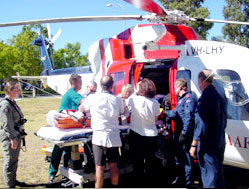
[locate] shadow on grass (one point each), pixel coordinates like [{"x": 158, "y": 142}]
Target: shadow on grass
[
  {"x": 62, "y": 183},
  {"x": 58, "y": 184}
]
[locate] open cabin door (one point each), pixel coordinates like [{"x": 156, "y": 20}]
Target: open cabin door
[
  {"x": 120, "y": 72},
  {"x": 173, "y": 97},
  {"x": 136, "y": 74}
]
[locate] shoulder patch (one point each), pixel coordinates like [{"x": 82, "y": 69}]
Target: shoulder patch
[{"x": 188, "y": 95}]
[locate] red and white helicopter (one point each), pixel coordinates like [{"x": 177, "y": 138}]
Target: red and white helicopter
[{"x": 163, "y": 51}]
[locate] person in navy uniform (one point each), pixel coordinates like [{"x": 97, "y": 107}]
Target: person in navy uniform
[
  {"x": 209, "y": 134},
  {"x": 183, "y": 115}
]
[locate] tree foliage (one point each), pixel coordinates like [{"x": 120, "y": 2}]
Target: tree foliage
[
  {"x": 193, "y": 9},
  {"x": 237, "y": 10},
  {"x": 19, "y": 55},
  {"x": 70, "y": 56}
]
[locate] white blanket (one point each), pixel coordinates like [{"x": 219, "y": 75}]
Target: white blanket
[{"x": 57, "y": 134}]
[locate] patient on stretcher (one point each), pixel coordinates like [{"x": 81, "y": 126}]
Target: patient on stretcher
[{"x": 68, "y": 119}]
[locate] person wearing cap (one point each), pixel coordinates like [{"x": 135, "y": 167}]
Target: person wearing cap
[
  {"x": 184, "y": 116},
  {"x": 105, "y": 108},
  {"x": 70, "y": 101},
  {"x": 209, "y": 135}
]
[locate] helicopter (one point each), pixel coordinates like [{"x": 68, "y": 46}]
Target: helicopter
[{"x": 163, "y": 51}]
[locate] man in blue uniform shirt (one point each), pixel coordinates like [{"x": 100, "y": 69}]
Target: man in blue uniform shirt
[
  {"x": 70, "y": 101},
  {"x": 209, "y": 134},
  {"x": 183, "y": 114}
]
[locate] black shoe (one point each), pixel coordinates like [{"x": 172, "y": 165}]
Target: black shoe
[
  {"x": 21, "y": 184},
  {"x": 51, "y": 179}
]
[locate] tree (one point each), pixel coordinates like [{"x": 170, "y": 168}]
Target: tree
[
  {"x": 18, "y": 55},
  {"x": 193, "y": 9},
  {"x": 236, "y": 10},
  {"x": 217, "y": 38},
  {"x": 7, "y": 60},
  {"x": 70, "y": 56},
  {"x": 26, "y": 54}
]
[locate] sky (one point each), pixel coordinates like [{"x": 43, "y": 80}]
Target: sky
[{"x": 84, "y": 32}]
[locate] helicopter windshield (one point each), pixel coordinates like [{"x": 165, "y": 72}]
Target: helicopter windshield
[{"x": 228, "y": 83}]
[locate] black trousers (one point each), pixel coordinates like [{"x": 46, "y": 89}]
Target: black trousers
[{"x": 142, "y": 152}]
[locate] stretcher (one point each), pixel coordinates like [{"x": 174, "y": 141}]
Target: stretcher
[
  {"x": 75, "y": 137},
  {"x": 63, "y": 137}
]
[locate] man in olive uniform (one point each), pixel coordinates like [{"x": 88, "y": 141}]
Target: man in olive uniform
[
  {"x": 70, "y": 101},
  {"x": 10, "y": 116}
]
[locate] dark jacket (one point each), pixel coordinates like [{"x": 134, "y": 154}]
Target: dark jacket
[
  {"x": 184, "y": 115},
  {"x": 211, "y": 120}
]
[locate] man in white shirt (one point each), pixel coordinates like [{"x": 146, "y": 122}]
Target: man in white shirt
[{"x": 105, "y": 108}]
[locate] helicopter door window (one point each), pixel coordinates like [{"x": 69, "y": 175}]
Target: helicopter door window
[
  {"x": 128, "y": 51},
  {"x": 186, "y": 74},
  {"x": 118, "y": 81},
  {"x": 228, "y": 83}
]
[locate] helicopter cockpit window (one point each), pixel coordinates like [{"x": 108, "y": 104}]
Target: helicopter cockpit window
[
  {"x": 186, "y": 74},
  {"x": 228, "y": 83}
]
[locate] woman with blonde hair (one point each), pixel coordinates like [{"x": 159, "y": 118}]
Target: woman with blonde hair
[
  {"x": 126, "y": 91},
  {"x": 142, "y": 138},
  {"x": 11, "y": 134}
]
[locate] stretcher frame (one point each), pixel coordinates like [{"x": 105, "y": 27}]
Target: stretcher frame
[{"x": 80, "y": 176}]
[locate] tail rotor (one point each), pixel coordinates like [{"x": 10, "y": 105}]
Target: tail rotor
[{"x": 50, "y": 39}]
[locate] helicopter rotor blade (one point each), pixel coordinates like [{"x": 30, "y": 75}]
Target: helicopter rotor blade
[
  {"x": 49, "y": 31},
  {"x": 218, "y": 21},
  {"x": 148, "y": 6},
  {"x": 56, "y": 35},
  {"x": 75, "y": 19}
]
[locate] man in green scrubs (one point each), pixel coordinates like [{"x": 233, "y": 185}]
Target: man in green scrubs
[{"x": 70, "y": 101}]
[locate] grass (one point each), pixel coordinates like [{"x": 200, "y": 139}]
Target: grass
[{"x": 32, "y": 167}]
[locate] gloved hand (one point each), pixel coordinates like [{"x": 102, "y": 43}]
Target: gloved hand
[{"x": 182, "y": 138}]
